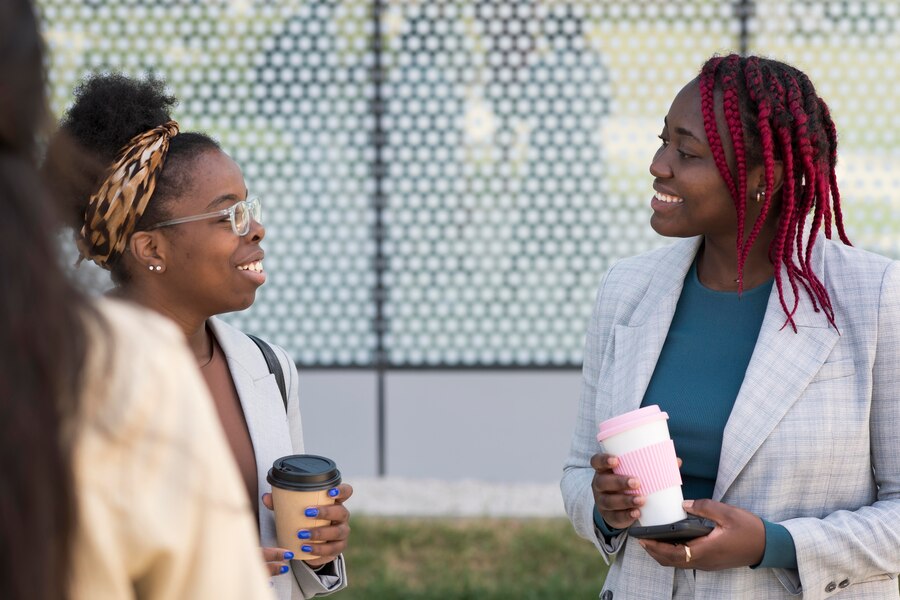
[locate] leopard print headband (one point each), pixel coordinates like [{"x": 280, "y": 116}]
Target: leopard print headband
[{"x": 115, "y": 209}]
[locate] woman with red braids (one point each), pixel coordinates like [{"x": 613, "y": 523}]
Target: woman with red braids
[{"x": 774, "y": 350}]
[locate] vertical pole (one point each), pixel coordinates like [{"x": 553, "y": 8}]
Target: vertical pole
[
  {"x": 744, "y": 9},
  {"x": 379, "y": 326}
]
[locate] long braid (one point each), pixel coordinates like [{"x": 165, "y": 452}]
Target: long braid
[
  {"x": 807, "y": 154},
  {"x": 831, "y": 133},
  {"x": 732, "y": 110},
  {"x": 707, "y": 105},
  {"x": 804, "y": 191},
  {"x": 803, "y": 105},
  {"x": 787, "y": 121},
  {"x": 754, "y": 84},
  {"x": 784, "y": 235},
  {"x": 792, "y": 176},
  {"x": 787, "y": 227}
]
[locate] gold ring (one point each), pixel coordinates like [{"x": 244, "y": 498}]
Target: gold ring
[{"x": 687, "y": 554}]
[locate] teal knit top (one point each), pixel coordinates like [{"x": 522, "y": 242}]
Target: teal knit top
[{"x": 696, "y": 381}]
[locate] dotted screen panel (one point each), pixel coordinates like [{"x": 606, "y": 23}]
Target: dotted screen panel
[
  {"x": 851, "y": 52},
  {"x": 516, "y": 140}
]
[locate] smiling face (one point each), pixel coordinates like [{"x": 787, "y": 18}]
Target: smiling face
[
  {"x": 209, "y": 269},
  {"x": 691, "y": 196}
]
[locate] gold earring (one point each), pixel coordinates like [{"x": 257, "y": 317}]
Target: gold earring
[{"x": 760, "y": 196}]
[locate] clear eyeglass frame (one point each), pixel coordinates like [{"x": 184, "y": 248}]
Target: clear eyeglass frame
[{"x": 240, "y": 214}]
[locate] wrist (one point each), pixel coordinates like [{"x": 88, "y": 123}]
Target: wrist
[{"x": 759, "y": 548}]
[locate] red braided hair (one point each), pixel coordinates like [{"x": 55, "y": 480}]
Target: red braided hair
[{"x": 773, "y": 113}]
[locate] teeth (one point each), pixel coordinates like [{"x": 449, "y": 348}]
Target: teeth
[
  {"x": 667, "y": 198},
  {"x": 254, "y": 266}
]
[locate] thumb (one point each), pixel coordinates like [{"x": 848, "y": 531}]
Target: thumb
[
  {"x": 267, "y": 501},
  {"x": 709, "y": 509}
]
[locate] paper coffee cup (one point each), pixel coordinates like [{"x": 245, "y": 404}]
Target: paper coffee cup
[
  {"x": 640, "y": 439},
  {"x": 298, "y": 482}
]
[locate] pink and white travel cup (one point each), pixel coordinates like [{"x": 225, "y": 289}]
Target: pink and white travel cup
[{"x": 640, "y": 439}]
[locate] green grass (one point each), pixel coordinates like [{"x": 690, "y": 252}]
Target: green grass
[{"x": 455, "y": 559}]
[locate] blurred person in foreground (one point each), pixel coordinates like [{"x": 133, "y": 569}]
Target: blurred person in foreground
[
  {"x": 172, "y": 221},
  {"x": 775, "y": 353},
  {"x": 112, "y": 478}
]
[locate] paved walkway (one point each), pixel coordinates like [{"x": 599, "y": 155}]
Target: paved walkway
[{"x": 393, "y": 496}]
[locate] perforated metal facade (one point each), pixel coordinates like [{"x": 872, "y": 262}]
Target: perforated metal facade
[{"x": 492, "y": 155}]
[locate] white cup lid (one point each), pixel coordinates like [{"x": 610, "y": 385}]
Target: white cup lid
[{"x": 630, "y": 420}]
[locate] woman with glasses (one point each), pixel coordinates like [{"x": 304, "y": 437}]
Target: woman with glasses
[
  {"x": 112, "y": 483},
  {"x": 172, "y": 221}
]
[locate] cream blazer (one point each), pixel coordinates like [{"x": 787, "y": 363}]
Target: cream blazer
[
  {"x": 162, "y": 513},
  {"x": 812, "y": 443},
  {"x": 274, "y": 434}
]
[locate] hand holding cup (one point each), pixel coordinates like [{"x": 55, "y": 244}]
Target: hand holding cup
[
  {"x": 618, "y": 508},
  {"x": 638, "y": 445},
  {"x": 308, "y": 499},
  {"x": 331, "y": 539}
]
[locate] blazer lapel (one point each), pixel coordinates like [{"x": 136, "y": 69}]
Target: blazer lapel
[
  {"x": 781, "y": 367},
  {"x": 638, "y": 343},
  {"x": 266, "y": 420},
  {"x": 261, "y": 402}
]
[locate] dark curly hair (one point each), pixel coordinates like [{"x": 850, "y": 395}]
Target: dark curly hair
[{"x": 109, "y": 110}]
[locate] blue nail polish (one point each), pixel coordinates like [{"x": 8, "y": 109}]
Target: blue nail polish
[
  {"x": 312, "y": 512},
  {"x": 333, "y": 492},
  {"x": 283, "y": 569},
  {"x": 288, "y": 555},
  {"x": 303, "y": 534},
  {"x": 306, "y": 548}
]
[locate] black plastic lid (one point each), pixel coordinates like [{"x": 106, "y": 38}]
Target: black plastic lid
[{"x": 304, "y": 473}]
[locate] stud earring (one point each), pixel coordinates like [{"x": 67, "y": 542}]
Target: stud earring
[
  {"x": 156, "y": 268},
  {"x": 760, "y": 196}
]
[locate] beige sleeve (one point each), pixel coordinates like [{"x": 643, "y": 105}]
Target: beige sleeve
[{"x": 162, "y": 513}]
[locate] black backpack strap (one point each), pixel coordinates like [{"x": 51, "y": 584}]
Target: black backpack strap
[{"x": 274, "y": 366}]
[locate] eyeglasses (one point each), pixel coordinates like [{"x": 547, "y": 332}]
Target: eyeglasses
[{"x": 240, "y": 216}]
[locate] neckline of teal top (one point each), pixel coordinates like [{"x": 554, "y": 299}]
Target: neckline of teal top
[{"x": 763, "y": 288}]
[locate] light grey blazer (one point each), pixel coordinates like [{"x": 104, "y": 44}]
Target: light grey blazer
[
  {"x": 812, "y": 443},
  {"x": 274, "y": 435}
]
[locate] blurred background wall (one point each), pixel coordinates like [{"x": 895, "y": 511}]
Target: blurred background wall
[{"x": 445, "y": 183}]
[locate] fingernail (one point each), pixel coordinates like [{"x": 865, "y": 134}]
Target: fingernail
[
  {"x": 635, "y": 514},
  {"x": 288, "y": 555},
  {"x": 306, "y": 548},
  {"x": 633, "y": 484},
  {"x": 687, "y": 503},
  {"x": 303, "y": 534},
  {"x": 333, "y": 492},
  {"x": 283, "y": 569},
  {"x": 312, "y": 512},
  {"x": 612, "y": 461},
  {"x": 642, "y": 543}
]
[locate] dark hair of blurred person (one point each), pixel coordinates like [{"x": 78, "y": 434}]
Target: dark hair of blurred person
[
  {"x": 111, "y": 478},
  {"x": 43, "y": 334}
]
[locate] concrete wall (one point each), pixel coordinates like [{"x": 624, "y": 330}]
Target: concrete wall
[{"x": 487, "y": 425}]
